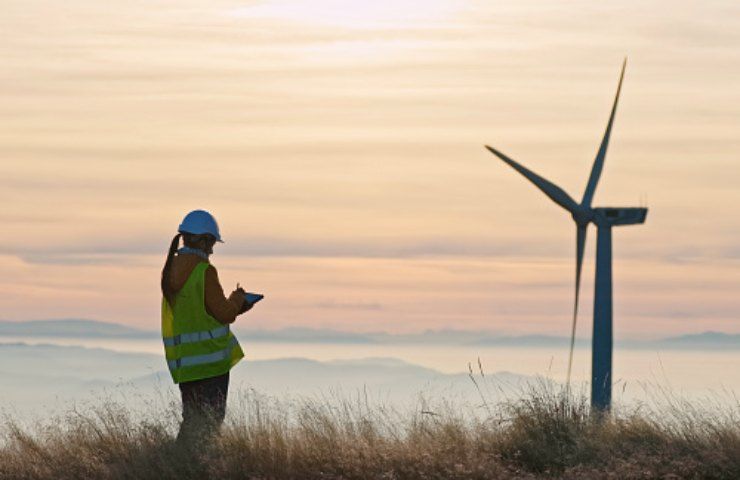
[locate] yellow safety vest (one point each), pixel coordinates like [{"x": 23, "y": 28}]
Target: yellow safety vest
[{"x": 196, "y": 345}]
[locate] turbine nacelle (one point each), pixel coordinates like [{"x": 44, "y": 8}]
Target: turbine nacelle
[
  {"x": 609, "y": 216},
  {"x": 614, "y": 216}
]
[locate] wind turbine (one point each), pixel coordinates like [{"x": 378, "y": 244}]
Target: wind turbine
[{"x": 604, "y": 218}]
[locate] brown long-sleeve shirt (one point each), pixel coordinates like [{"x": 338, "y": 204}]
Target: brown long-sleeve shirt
[{"x": 218, "y": 305}]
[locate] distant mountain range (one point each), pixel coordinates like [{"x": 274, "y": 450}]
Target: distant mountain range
[
  {"x": 70, "y": 328},
  {"x": 55, "y": 378},
  {"x": 704, "y": 339},
  {"x": 80, "y": 328}
]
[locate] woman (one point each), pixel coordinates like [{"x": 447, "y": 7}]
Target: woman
[{"x": 199, "y": 346}]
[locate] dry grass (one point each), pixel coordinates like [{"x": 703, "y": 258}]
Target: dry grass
[{"x": 543, "y": 434}]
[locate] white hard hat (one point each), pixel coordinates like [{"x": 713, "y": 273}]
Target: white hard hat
[{"x": 199, "y": 222}]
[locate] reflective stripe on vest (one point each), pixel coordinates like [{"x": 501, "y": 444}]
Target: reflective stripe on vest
[
  {"x": 191, "y": 360},
  {"x": 196, "y": 336}
]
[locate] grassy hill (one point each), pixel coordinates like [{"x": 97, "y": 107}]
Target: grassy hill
[{"x": 544, "y": 434}]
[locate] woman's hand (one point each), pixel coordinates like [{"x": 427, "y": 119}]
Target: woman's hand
[{"x": 240, "y": 293}]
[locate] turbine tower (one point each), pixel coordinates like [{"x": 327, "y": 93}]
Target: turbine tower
[{"x": 604, "y": 218}]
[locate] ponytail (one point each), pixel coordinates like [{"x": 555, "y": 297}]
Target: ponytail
[{"x": 165, "y": 284}]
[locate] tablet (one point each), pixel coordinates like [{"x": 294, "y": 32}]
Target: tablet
[{"x": 253, "y": 298}]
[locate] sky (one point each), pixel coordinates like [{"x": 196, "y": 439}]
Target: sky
[{"x": 340, "y": 146}]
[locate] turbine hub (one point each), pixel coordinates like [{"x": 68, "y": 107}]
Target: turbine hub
[{"x": 583, "y": 216}]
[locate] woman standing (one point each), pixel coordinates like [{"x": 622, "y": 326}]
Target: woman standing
[{"x": 199, "y": 346}]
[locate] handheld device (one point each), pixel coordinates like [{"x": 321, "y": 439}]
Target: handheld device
[{"x": 253, "y": 298}]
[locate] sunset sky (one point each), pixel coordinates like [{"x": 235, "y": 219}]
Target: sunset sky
[{"x": 340, "y": 146}]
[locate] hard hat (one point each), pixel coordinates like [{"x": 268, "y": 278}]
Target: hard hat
[{"x": 199, "y": 222}]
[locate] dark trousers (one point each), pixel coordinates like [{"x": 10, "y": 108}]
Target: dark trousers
[{"x": 203, "y": 408}]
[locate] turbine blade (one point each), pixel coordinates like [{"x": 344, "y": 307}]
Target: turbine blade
[
  {"x": 593, "y": 180},
  {"x": 580, "y": 247},
  {"x": 556, "y": 194}
]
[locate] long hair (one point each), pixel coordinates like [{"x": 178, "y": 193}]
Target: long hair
[{"x": 165, "y": 283}]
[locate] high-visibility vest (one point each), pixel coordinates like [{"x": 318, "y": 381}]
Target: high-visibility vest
[{"x": 196, "y": 345}]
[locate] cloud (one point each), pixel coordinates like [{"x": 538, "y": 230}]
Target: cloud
[
  {"x": 75, "y": 259},
  {"x": 361, "y": 15},
  {"x": 372, "y": 306},
  {"x": 117, "y": 250},
  {"x": 121, "y": 249}
]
